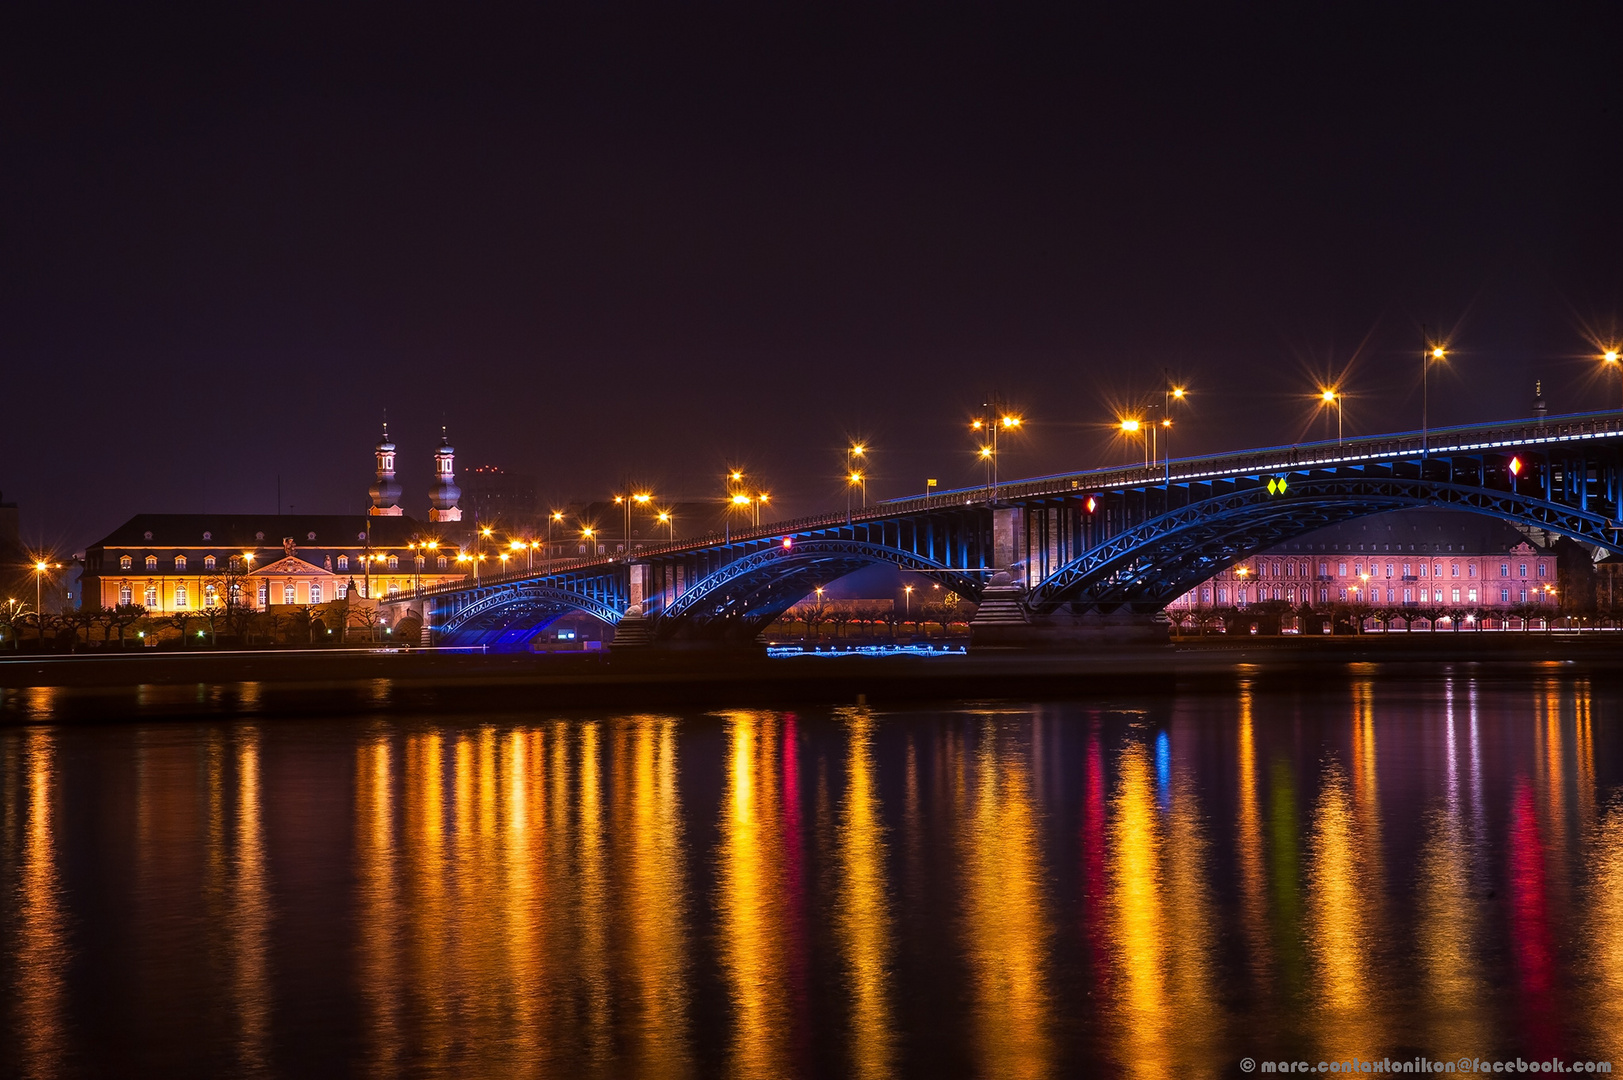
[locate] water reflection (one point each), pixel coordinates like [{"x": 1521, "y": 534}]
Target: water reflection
[
  {"x": 750, "y": 881},
  {"x": 864, "y": 909},
  {"x": 41, "y": 955},
  {"x": 1007, "y": 925},
  {"x": 1151, "y": 890}
]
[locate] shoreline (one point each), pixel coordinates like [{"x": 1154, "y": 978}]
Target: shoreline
[{"x": 95, "y": 689}]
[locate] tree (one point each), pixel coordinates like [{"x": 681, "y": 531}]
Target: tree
[
  {"x": 124, "y": 616},
  {"x": 839, "y": 616},
  {"x": 368, "y": 617},
  {"x": 180, "y": 619}
]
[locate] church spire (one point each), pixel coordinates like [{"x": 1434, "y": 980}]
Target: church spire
[
  {"x": 385, "y": 491},
  {"x": 442, "y": 500}
]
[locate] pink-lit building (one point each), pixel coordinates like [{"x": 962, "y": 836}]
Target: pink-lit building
[{"x": 1414, "y": 559}]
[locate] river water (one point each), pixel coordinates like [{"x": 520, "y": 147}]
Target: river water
[{"x": 1347, "y": 864}]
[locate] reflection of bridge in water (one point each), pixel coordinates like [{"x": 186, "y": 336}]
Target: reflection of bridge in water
[{"x": 1073, "y": 556}]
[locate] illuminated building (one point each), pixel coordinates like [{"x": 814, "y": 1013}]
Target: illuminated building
[{"x": 1434, "y": 559}]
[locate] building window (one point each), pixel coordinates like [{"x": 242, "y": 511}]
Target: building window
[
  {"x": 1504, "y": 569},
  {"x": 152, "y": 562},
  {"x": 1504, "y": 596},
  {"x": 394, "y": 562},
  {"x": 1408, "y": 596},
  {"x": 1358, "y": 570},
  {"x": 180, "y": 562},
  {"x": 315, "y": 592},
  {"x": 1388, "y": 569},
  {"x": 343, "y": 562},
  {"x": 290, "y": 593},
  {"x": 1222, "y": 596},
  {"x": 180, "y": 595},
  {"x": 394, "y": 588},
  {"x": 1470, "y": 595},
  {"x": 125, "y": 562},
  {"x": 236, "y": 594},
  {"x": 1454, "y": 569},
  {"x": 340, "y": 590},
  {"x": 236, "y": 564},
  {"x": 1456, "y": 596},
  {"x": 126, "y": 596},
  {"x": 210, "y": 596},
  {"x": 444, "y": 562},
  {"x": 1324, "y": 569},
  {"x": 1324, "y": 596},
  {"x": 1344, "y": 594},
  {"x": 208, "y": 562},
  {"x": 1406, "y": 570},
  {"x": 1470, "y": 570},
  {"x": 152, "y": 596},
  {"x": 1523, "y": 569},
  {"x": 1343, "y": 569},
  {"x": 1541, "y": 568},
  {"x": 264, "y": 594},
  {"x": 1206, "y": 595}
]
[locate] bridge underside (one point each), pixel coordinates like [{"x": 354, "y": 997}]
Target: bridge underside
[{"x": 1146, "y": 567}]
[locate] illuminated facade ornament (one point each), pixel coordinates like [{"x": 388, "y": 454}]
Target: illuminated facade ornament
[
  {"x": 385, "y": 491},
  {"x": 442, "y": 500}
]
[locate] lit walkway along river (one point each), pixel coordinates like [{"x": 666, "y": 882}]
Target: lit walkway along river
[{"x": 1338, "y": 865}]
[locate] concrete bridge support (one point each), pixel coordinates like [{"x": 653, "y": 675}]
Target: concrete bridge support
[
  {"x": 633, "y": 631},
  {"x": 1003, "y": 621}
]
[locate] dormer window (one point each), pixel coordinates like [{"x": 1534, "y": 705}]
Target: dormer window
[
  {"x": 394, "y": 562},
  {"x": 152, "y": 562},
  {"x": 343, "y": 562},
  {"x": 236, "y": 563},
  {"x": 310, "y": 536},
  {"x": 444, "y": 562},
  {"x": 180, "y": 562},
  {"x": 125, "y": 562},
  {"x": 208, "y": 562},
  {"x": 208, "y": 536}
]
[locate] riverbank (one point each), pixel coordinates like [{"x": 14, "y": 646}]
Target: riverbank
[{"x": 328, "y": 682}]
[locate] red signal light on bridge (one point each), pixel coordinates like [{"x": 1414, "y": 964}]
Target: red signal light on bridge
[
  {"x": 788, "y": 542},
  {"x": 1515, "y": 466},
  {"x": 1091, "y": 504}
]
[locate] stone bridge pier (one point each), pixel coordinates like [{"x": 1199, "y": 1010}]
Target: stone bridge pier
[{"x": 1004, "y": 620}]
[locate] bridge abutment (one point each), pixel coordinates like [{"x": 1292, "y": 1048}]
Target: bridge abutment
[{"x": 633, "y": 631}]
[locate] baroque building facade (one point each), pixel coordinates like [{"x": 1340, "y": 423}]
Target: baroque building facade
[{"x": 194, "y": 562}]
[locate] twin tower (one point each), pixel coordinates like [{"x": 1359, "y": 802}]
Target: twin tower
[{"x": 442, "y": 497}]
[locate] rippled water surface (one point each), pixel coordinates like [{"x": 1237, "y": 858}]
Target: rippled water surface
[{"x": 1347, "y": 866}]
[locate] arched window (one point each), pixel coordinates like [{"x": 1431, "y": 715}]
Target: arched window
[
  {"x": 211, "y": 597},
  {"x": 180, "y": 562},
  {"x": 394, "y": 588},
  {"x": 235, "y": 564},
  {"x": 236, "y": 594},
  {"x": 315, "y": 592},
  {"x": 180, "y": 595},
  {"x": 152, "y": 562},
  {"x": 290, "y": 594},
  {"x": 208, "y": 562},
  {"x": 126, "y": 596},
  {"x": 444, "y": 562},
  {"x": 151, "y": 598},
  {"x": 343, "y": 562},
  {"x": 340, "y": 590},
  {"x": 264, "y": 594},
  {"x": 394, "y": 562},
  {"x": 125, "y": 562}
]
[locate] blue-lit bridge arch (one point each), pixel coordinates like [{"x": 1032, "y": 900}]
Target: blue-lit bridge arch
[{"x": 1104, "y": 542}]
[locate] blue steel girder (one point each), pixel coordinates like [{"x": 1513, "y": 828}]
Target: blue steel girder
[
  {"x": 751, "y": 591},
  {"x": 1153, "y": 562},
  {"x": 528, "y": 595}
]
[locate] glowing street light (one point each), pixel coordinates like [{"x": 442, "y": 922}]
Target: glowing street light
[
  {"x": 1434, "y": 352},
  {"x": 1613, "y": 356},
  {"x": 1000, "y": 420},
  {"x": 41, "y": 568},
  {"x": 1330, "y": 396},
  {"x": 1135, "y": 427},
  {"x": 664, "y": 518}
]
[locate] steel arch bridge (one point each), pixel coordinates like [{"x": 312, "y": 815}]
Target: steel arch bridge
[{"x": 1107, "y": 542}]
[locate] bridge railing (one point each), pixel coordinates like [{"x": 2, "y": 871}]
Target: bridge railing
[{"x": 1469, "y": 437}]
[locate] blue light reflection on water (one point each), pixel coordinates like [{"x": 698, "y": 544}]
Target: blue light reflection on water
[
  {"x": 1156, "y": 886},
  {"x": 779, "y": 652}
]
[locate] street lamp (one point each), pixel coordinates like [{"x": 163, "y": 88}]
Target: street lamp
[
  {"x": 907, "y": 601},
  {"x": 41, "y": 568},
  {"x": 1001, "y": 421},
  {"x": 664, "y": 518},
  {"x": 553, "y": 519},
  {"x": 586, "y": 534},
  {"x": 1434, "y": 352},
  {"x": 1612, "y": 356},
  {"x": 1131, "y": 426},
  {"x": 1330, "y": 397}
]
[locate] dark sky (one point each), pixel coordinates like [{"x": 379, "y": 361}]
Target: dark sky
[{"x": 650, "y": 242}]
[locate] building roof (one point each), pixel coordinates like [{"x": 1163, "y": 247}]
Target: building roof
[
  {"x": 1416, "y": 530},
  {"x": 249, "y": 531}
]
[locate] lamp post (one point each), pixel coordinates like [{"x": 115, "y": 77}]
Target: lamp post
[
  {"x": 552, "y": 519},
  {"x": 1613, "y": 357},
  {"x": 907, "y": 602},
  {"x": 1330, "y": 396},
  {"x": 41, "y": 568},
  {"x": 664, "y": 518},
  {"x": 1132, "y": 426},
  {"x": 586, "y": 534},
  {"x": 1434, "y": 351},
  {"x": 1000, "y": 419}
]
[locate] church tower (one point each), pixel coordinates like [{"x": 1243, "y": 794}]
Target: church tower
[
  {"x": 442, "y": 500},
  {"x": 385, "y": 491}
]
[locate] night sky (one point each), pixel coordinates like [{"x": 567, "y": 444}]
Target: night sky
[{"x": 652, "y": 242}]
